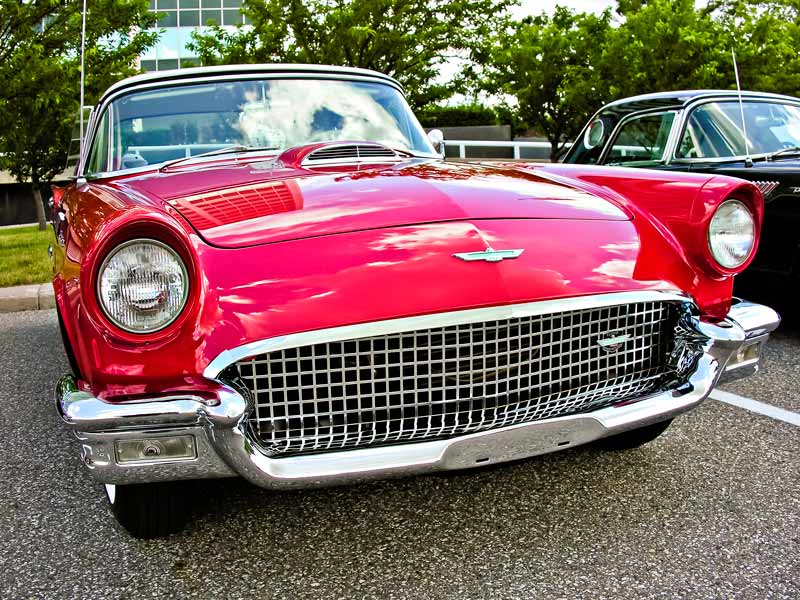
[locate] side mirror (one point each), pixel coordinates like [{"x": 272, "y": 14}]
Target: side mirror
[{"x": 436, "y": 138}]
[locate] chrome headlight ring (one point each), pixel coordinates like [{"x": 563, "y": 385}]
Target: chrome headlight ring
[
  {"x": 732, "y": 234},
  {"x": 142, "y": 285}
]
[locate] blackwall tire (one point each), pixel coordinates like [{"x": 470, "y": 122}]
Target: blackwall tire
[
  {"x": 149, "y": 510},
  {"x": 635, "y": 437}
]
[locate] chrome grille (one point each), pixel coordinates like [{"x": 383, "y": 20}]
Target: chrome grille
[
  {"x": 350, "y": 152},
  {"x": 448, "y": 381}
]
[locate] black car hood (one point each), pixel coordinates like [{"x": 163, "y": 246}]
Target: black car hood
[{"x": 775, "y": 178}]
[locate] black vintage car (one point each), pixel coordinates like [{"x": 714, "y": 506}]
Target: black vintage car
[{"x": 702, "y": 130}]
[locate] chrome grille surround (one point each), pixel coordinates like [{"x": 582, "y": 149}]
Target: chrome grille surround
[
  {"x": 442, "y": 382},
  {"x": 365, "y": 152}
]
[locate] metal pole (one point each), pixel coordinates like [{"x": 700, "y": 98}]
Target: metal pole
[{"x": 83, "y": 80}]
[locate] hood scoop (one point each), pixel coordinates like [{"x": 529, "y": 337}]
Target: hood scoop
[{"x": 350, "y": 153}]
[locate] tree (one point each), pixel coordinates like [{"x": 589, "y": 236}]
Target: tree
[
  {"x": 552, "y": 68},
  {"x": 407, "y": 39},
  {"x": 766, "y": 35},
  {"x": 40, "y": 70},
  {"x": 555, "y": 71},
  {"x": 665, "y": 45}
]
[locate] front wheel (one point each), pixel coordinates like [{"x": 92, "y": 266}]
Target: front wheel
[
  {"x": 635, "y": 437},
  {"x": 149, "y": 510}
]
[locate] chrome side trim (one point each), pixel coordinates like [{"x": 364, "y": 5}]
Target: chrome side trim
[
  {"x": 767, "y": 187},
  {"x": 474, "y": 315}
]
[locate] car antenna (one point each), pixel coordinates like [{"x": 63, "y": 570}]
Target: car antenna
[{"x": 748, "y": 162}]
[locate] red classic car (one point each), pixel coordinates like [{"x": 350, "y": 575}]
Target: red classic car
[{"x": 270, "y": 272}]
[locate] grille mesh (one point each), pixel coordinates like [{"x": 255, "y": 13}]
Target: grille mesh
[
  {"x": 240, "y": 204},
  {"x": 443, "y": 382}
]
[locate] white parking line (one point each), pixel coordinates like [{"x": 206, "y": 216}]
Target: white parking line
[{"x": 755, "y": 406}]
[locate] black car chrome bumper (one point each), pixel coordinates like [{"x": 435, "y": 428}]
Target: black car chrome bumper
[{"x": 213, "y": 439}]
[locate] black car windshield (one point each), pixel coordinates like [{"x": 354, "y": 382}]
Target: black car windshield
[
  {"x": 168, "y": 123},
  {"x": 714, "y": 130}
]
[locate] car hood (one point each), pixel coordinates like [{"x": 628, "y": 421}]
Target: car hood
[{"x": 243, "y": 204}]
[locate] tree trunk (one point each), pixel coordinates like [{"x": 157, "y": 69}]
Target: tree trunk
[
  {"x": 555, "y": 147},
  {"x": 37, "y": 200}
]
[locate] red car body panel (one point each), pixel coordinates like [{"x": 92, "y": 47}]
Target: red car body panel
[
  {"x": 274, "y": 249},
  {"x": 239, "y": 205}
]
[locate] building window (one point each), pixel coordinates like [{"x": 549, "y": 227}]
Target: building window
[
  {"x": 169, "y": 63},
  {"x": 232, "y": 17},
  {"x": 189, "y": 18},
  {"x": 168, "y": 19},
  {"x": 210, "y": 16},
  {"x": 180, "y": 18}
]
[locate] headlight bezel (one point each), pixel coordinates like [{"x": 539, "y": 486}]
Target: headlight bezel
[
  {"x": 719, "y": 264},
  {"x": 185, "y": 297}
]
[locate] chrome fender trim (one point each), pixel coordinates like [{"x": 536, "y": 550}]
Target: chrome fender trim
[{"x": 81, "y": 411}]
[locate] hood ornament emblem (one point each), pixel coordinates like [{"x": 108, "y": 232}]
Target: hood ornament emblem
[
  {"x": 613, "y": 340},
  {"x": 490, "y": 255}
]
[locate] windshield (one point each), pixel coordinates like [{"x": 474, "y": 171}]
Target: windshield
[
  {"x": 714, "y": 130},
  {"x": 169, "y": 123}
]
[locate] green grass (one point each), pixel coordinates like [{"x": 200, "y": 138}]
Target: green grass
[{"x": 23, "y": 255}]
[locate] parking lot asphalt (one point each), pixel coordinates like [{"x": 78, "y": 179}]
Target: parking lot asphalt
[{"x": 711, "y": 509}]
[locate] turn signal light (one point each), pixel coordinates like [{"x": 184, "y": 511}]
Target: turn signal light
[
  {"x": 179, "y": 447},
  {"x": 747, "y": 354}
]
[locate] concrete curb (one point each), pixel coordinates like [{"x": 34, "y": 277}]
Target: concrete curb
[
  {"x": 27, "y": 297},
  {"x": 17, "y": 226}
]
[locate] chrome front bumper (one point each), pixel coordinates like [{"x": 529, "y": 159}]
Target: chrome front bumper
[{"x": 222, "y": 447}]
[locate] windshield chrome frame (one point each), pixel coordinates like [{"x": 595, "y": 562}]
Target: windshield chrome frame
[
  {"x": 665, "y": 153},
  {"x": 684, "y": 122},
  {"x": 106, "y": 101}
]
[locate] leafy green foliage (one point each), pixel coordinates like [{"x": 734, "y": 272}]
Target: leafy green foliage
[
  {"x": 557, "y": 70},
  {"x": 407, "y": 39},
  {"x": 40, "y": 71},
  {"x": 666, "y": 45},
  {"x": 462, "y": 115},
  {"x": 551, "y": 68}
]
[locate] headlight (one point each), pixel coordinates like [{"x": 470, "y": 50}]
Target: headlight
[
  {"x": 142, "y": 286},
  {"x": 731, "y": 234}
]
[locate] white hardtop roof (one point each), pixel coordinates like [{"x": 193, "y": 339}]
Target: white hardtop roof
[{"x": 181, "y": 75}]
